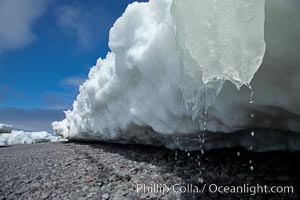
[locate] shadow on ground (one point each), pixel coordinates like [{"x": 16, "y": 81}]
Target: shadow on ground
[{"x": 226, "y": 167}]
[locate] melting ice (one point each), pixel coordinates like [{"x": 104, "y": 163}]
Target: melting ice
[{"x": 174, "y": 70}]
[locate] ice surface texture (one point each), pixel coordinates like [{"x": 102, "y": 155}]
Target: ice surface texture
[{"x": 174, "y": 70}]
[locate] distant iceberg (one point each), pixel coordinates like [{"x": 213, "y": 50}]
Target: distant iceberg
[
  {"x": 4, "y": 128},
  {"x": 10, "y": 137},
  {"x": 200, "y": 70}
]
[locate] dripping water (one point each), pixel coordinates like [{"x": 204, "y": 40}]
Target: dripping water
[
  {"x": 177, "y": 147},
  {"x": 204, "y": 121},
  {"x": 251, "y": 166},
  {"x": 186, "y": 149},
  {"x": 202, "y": 135},
  {"x": 201, "y": 180},
  {"x": 205, "y": 110},
  {"x": 252, "y": 133},
  {"x": 176, "y": 153},
  {"x": 198, "y": 159},
  {"x": 202, "y": 151},
  {"x": 251, "y": 94}
]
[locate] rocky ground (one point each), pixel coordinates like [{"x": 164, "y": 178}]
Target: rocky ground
[{"x": 113, "y": 171}]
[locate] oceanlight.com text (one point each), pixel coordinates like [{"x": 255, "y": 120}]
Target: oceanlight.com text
[{"x": 214, "y": 188}]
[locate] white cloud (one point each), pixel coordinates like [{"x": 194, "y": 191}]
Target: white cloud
[
  {"x": 16, "y": 20},
  {"x": 73, "y": 81}
]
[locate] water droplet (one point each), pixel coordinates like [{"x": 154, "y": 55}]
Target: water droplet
[
  {"x": 252, "y": 133},
  {"x": 238, "y": 153},
  {"x": 251, "y": 147},
  {"x": 175, "y": 155},
  {"x": 251, "y": 168},
  {"x": 251, "y": 94},
  {"x": 201, "y": 180},
  {"x": 188, "y": 154},
  {"x": 252, "y": 115},
  {"x": 250, "y": 161},
  {"x": 202, "y": 151}
]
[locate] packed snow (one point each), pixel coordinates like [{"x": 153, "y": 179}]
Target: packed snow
[
  {"x": 180, "y": 68},
  {"x": 10, "y": 137}
]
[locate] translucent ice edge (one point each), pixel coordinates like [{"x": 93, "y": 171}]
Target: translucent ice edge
[{"x": 174, "y": 69}]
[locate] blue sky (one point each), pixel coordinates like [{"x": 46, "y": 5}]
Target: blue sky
[{"x": 46, "y": 50}]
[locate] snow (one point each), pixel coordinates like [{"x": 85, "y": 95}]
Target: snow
[
  {"x": 21, "y": 137},
  {"x": 4, "y": 128},
  {"x": 9, "y": 136},
  {"x": 178, "y": 68}
]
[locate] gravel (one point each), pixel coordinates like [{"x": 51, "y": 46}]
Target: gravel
[{"x": 113, "y": 171}]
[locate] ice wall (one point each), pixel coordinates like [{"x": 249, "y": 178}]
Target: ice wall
[{"x": 174, "y": 70}]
